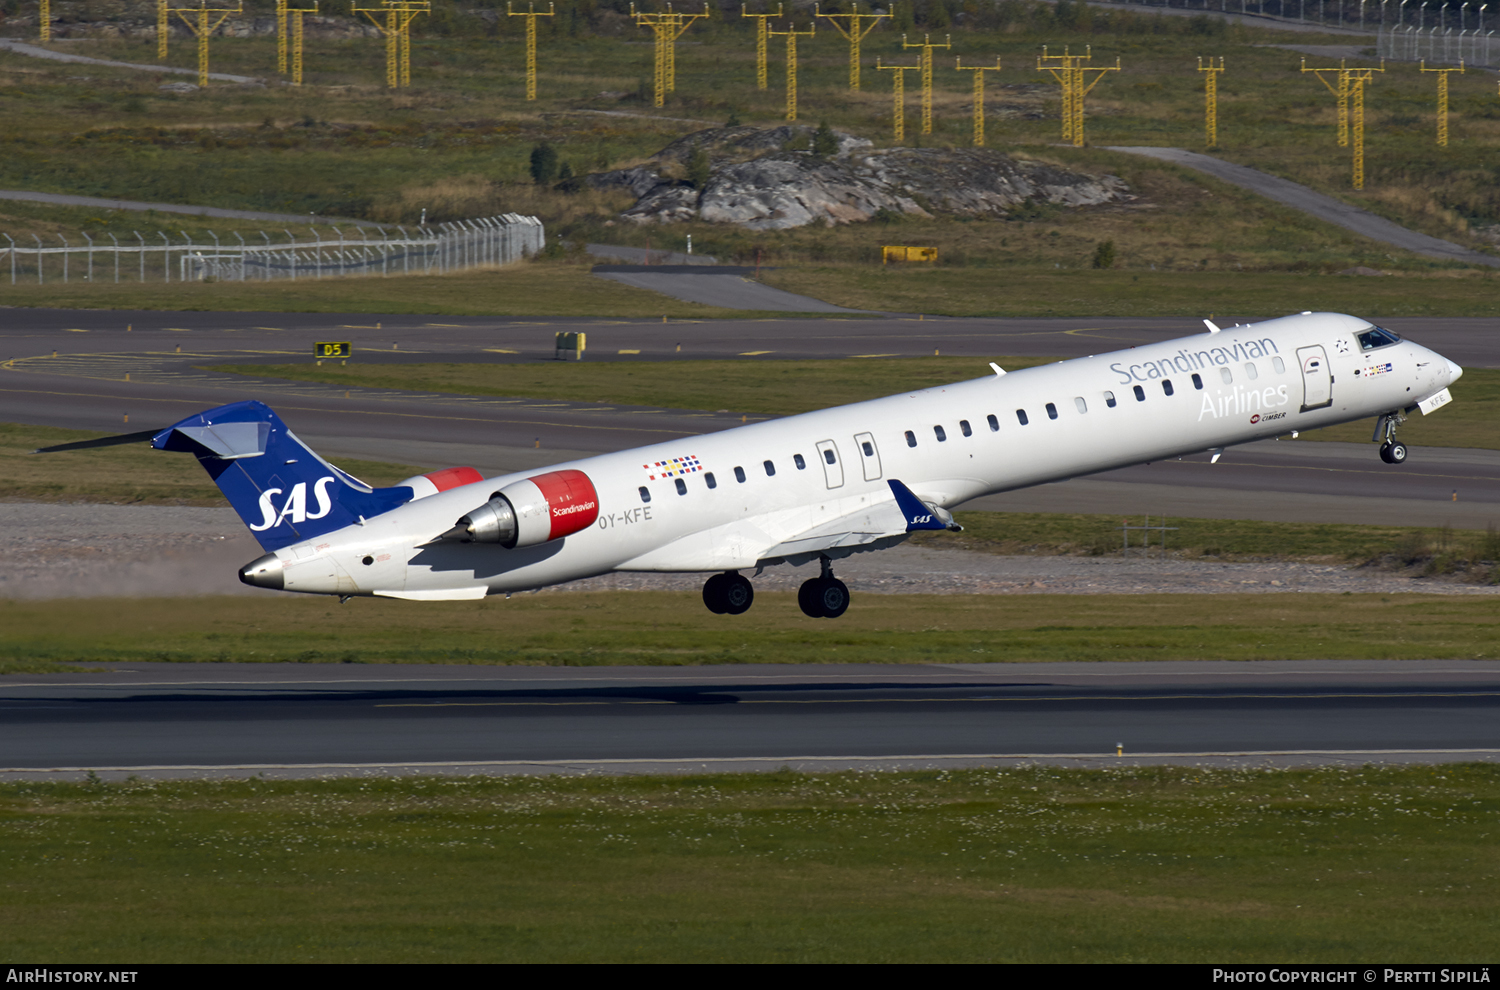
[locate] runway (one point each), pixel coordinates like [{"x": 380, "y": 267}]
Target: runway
[
  {"x": 104, "y": 373},
  {"x": 288, "y": 719}
]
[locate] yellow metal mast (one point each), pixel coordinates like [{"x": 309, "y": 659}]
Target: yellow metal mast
[
  {"x": 762, "y": 79},
  {"x": 162, "y": 18},
  {"x": 1349, "y": 86},
  {"x": 1071, "y": 73},
  {"x": 44, "y": 20},
  {"x": 927, "y": 46},
  {"x": 979, "y": 71},
  {"x": 398, "y": 15},
  {"x": 898, "y": 114},
  {"x": 668, "y": 27},
  {"x": 791, "y": 65},
  {"x": 281, "y": 36},
  {"x": 1211, "y": 99},
  {"x": 531, "y": 15},
  {"x": 199, "y": 25},
  {"x": 855, "y": 33},
  {"x": 297, "y": 35},
  {"x": 1442, "y": 111}
]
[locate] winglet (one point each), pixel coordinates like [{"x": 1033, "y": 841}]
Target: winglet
[
  {"x": 998, "y": 370},
  {"x": 1212, "y": 327},
  {"x": 918, "y": 514}
]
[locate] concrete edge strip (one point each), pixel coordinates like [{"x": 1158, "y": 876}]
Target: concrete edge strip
[{"x": 685, "y": 761}]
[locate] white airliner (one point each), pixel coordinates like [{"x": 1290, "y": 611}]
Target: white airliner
[{"x": 814, "y": 487}]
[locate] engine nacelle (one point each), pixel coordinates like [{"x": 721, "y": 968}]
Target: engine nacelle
[
  {"x": 423, "y": 485},
  {"x": 537, "y": 510}
]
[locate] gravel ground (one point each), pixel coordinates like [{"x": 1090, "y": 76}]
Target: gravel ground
[{"x": 91, "y": 551}]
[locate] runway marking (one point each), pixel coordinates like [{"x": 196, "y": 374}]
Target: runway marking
[
  {"x": 500, "y": 350},
  {"x": 179, "y": 329},
  {"x": 451, "y": 326},
  {"x": 75, "y": 330},
  {"x": 682, "y": 760},
  {"x": 356, "y": 326},
  {"x": 754, "y": 353},
  {"x": 635, "y": 351},
  {"x": 873, "y": 355},
  {"x": 265, "y": 328},
  {"x": 913, "y": 701}
]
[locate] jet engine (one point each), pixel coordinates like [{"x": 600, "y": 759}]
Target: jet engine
[
  {"x": 423, "y": 485},
  {"x": 537, "y": 510}
]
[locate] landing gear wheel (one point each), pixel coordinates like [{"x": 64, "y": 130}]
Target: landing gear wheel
[
  {"x": 1397, "y": 454},
  {"x": 713, "y": 594},
  {"x": 739, "y": 594},
  {"x": 823, "y": 598},
  {"x": 1385, "y": 452}
]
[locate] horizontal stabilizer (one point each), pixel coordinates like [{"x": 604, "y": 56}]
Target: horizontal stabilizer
[{"x": 141, "y": 437}]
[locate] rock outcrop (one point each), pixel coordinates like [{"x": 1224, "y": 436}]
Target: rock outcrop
[{"x": 762, "y": 179}]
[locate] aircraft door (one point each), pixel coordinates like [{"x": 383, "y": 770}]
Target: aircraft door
[
  {"x": 833, "y": 470},
  {"x": 869, "y": 455},
  {"x": 1317, "y": 378}
]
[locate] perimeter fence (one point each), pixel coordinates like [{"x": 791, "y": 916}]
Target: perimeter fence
[{"x": 431, "y": 250}]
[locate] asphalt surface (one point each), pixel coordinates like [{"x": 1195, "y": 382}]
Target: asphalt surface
[
  {"x": 86, "y": 387},
  {"x": 1317, "y": 205},
  {"x": 33, "y": 51},
  {"x": 183, "y": 719},
  {"x": 710, "y": 286}
]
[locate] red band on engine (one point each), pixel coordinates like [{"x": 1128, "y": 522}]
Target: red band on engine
[
  {"x": 572, "y": 503},
  {"x": 453, "y": 477}
]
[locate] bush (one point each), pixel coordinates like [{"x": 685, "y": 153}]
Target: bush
[
  {"x": 825, "y": 142},
  {"x": 543, "y": 163},
  {"x": 1104, "y": 255}
]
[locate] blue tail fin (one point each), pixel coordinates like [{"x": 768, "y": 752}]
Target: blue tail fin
[{"x": 282, "y": 490}]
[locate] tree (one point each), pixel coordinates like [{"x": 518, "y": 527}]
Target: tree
[
  {"x": 543, "y": 163},
  {"x": 699, "y": 169},
  {"x": 1104, "y": 255},
  {"x": 825, "y": 142}
]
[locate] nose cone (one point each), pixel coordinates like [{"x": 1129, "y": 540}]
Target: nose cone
[
  {"x": 1454, "y": 372},
  {"x": 264, "y": 572}
]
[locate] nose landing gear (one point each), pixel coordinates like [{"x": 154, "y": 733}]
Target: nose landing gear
[
  {"x": 1392, "y": 451},
  {"x": 728, "y": 593},
  {"x": 825, "y": 596}
]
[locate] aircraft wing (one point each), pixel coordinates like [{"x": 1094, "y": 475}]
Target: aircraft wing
[{"x": 884, "y": 523}]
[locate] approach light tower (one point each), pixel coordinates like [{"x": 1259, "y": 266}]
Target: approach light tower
[
  {"x": 1349, "y": 86},
  {"x": 898, "y": 112},
  {"x": 298, "y": 33},
  {"x": 1211, "y": 99},
  {"x": 667, "y": 27},
  {"x": 855, "y": 32},
  {"x": 44, "y": 20},
  {"x": 163, "y": 18},
  {"x": 791, "y": 35},
  {"x": 762, "y": 76},
  {"x": 531, "y": 15},
  {"x": 927, "y": 45},
  {"x": 398, "y": 15},
  {"x": 1072, "y": 74},
  {"x": 979, "y": 71},
  {"x": 200, "y": 25},
  {"x": 1442, "y": 109}
]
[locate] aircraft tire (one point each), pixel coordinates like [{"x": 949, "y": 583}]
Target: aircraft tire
[
  {"x": 1398, "y": 453},
  {"x": 713, "y": 594},
  {"x": 834, "y": 598},
  {"x": 810, "y": 598},
  {"x": 1385, "y": 453},
  {"x": 739, "y": 593}
]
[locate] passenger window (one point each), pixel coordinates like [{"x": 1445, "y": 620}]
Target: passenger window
[
  {"x": 1140, "y": 394},
  {"x": 739, "y": 475},
  {"x": 869, "y": 448},
  {"x": 681, "y": 486},
  {"x": 1224, "y": 374},
  {"x": 1197, "y": 381},
  {"x": 797, "y": 460},
  {"x": 911, "y": 439},
  {"x": 1279, "y": 365},
  {"x": 828, "y": 456},
  {"x": 1082, "y": 406},
  {"x": 770, "y": 469},
  {"x": 645, "y": 494},
  {"x": 937, "y": 431},
  {"x": 1109, "y": 399},
  {"x": 1250, "y": 370},
  {"x": 1021, "y": 415},
  {"x": 1166, "y": 385},
  {"x": 994, "y": 423},
  {"x": 963, "y": 424},
  {"x": 1051, "y": 411},
  {"x": 708, "y": 479}
]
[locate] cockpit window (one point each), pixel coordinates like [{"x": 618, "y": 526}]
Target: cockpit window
[{"x": 1376, "y": 337}]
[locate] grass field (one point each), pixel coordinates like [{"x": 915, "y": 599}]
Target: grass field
[
  {"x": 1027, "y": 865},
  {"x": 783, "y": 388},
  {"x": 457, "y": 144},
  {"x": 673, "y": 629}
]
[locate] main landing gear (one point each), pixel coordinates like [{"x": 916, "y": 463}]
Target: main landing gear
[
  {"x": 728, "y": 593},
  {"x": 1392, "y": 451},
  {"x": 825, "y": 596}
]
